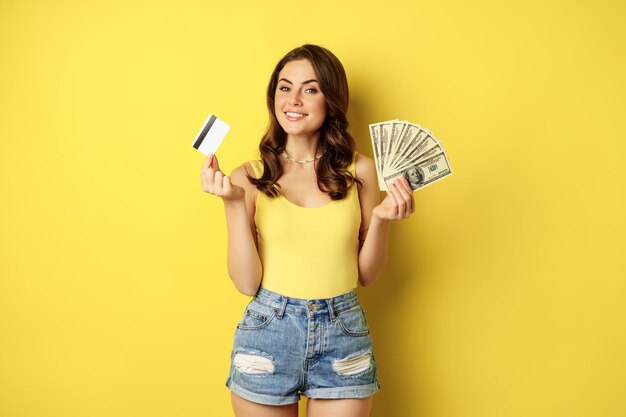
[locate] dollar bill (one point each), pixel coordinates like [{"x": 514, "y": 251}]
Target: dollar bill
[
  {"x": 375, "y": 136},
  {"x": 402, "y": 148},
  {"x": 421, "y": 141},
  {"x": 385, "y": 142},
  {"x": 404, "y": 140},
  {"x": 435, "y": 150},
  {"x": 397, "y": 127},
  {"x": 424, "y": 142},
  {"x": 424, "y": 173}
]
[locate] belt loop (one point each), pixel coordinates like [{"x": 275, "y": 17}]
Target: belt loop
[
  {"x": 331, "y": 310},
  {"x": 281, "y": 312}
]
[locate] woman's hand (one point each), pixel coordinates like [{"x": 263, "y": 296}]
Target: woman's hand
[
  {"x": 216, "y": 183},
  {"x": 399, "y": 203}
]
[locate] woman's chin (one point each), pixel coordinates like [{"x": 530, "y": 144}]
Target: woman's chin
[
  {"x": 295, "y": 131},
  {"x": 299, "y": 130}
]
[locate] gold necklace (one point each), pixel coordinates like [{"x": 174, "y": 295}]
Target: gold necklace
[{"x": 306, "y": 161}]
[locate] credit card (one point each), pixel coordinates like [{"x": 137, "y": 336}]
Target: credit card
[{"x": 211, "y": 135}]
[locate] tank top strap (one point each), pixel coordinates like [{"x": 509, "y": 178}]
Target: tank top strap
[{"x": 257, "y": 166}]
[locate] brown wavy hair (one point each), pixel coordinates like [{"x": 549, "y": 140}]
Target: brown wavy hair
[{"x": 335, "y": 142}]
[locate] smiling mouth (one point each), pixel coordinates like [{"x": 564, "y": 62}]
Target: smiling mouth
[{"x": 295, "y": 116}]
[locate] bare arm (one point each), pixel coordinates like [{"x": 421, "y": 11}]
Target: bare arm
[
  {"x": 244, "y": 264},
  {"x": 374, "y": 232},
  {"x": 375, "y": 218}
]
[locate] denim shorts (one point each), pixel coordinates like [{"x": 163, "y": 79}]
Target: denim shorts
[{"x": 320, "y": 348}]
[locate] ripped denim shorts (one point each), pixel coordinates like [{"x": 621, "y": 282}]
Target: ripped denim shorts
[{"x": 285, "y": 347}]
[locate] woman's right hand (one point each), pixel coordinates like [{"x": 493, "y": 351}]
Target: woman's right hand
[{"x": 216, "y": 183}]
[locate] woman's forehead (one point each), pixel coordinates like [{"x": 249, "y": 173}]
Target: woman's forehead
[{"x": 298, "y": 71}]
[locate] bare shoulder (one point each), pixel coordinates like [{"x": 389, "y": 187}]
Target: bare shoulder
[
  {"x": 241, "y": 172},
  {"x": 365, "y": 167},
  {"x": 239, "y": 175}
]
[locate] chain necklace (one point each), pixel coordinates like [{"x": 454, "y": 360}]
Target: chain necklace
[{"x": 306, "y": 161}]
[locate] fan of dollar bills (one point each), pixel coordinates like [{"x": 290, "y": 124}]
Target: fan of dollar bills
[{"x": 406, "y": 149}]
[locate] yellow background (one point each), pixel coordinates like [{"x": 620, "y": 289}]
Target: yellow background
[{"x": 504, "y": 294}]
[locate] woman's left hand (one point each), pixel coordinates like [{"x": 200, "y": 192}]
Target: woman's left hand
[{"x": 399, "y": 203}]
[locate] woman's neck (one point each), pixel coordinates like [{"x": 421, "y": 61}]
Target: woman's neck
[{"x": 302, "y": 148}]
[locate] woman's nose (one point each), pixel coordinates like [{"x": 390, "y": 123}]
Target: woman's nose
[{"x": 295, "y": 98}]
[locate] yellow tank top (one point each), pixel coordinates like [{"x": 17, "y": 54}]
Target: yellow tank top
[{"x": 308, "y": 252}]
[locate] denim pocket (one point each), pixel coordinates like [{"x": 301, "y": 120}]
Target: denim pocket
[
  {"x": 353, "y": 322},
  {"x": 256, "y": 316}
]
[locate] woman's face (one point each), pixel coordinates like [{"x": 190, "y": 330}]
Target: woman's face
[{"x": 299, "y": 104}]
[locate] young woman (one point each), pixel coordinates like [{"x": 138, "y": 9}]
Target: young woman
[{"x": 305, "y": 227}]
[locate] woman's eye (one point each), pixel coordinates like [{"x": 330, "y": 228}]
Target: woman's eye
[
  {"x": 283, "y": 88},
  {"x": 311, "y": 90}
]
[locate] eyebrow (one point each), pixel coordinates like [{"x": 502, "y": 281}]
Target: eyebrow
[{"x": 306, "y": 82}]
